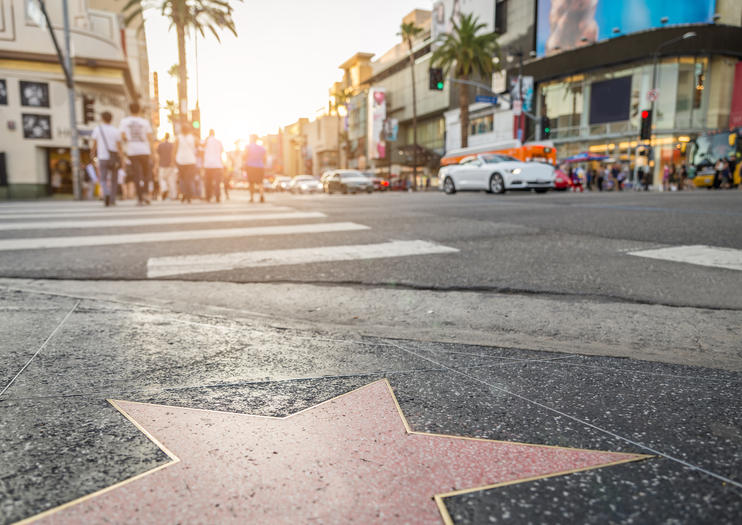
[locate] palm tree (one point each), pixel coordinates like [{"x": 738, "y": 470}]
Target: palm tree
[
  {"x": 409, "y": 32},
  {"x": 468, "y": 53},
  {"x": 196, "y": 15}
]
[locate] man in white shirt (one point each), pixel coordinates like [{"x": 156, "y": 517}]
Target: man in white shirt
[
  {"x": 137, "y": 135},
  {"x": 107, "y": 147},
  {"x": 213, "y": 166}
]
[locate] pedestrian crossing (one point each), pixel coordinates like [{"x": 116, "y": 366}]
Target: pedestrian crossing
[{"x": 42, "y": 229}]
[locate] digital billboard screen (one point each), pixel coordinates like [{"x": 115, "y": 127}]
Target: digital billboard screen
[
  {"x": 562, "y": 24},
  {"x": 610, "y": 100}
]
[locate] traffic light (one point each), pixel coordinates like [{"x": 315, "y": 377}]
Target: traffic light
[
  {"x": 196, "y": 118},
  {"x": 646, "y": 128},
  {"x": 435, "y": 78},
  {"x": 88, "y": 109},
  {"x": 545, "y": 127}
]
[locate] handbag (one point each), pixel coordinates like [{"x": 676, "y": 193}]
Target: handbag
[{"x": 113, "y": 156}]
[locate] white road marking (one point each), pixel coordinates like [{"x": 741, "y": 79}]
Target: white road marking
[
  {"x": 698, "y": 254},
  {"x": 135, "y": 238},
  {"x": 146, "y": 221},
  {"x": 130, "y": 212},
  {"x": 164, "y": 266}
]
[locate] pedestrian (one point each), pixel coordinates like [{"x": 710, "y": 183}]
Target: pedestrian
[
  {"x": 185, "y": 151},
  {"x": 213, "y": 166},
  {"x": 600, "y": 178},
  {"x": 136, "y": 133},
  {"x": 726, "y": 178},
  {"x": 167, "y": 174},
  {"x": 666, "y": 178},
  {"x": 106, "y": 146},
  {"x": 683, "y": 177},
  {"x": 254, "y": 163}
]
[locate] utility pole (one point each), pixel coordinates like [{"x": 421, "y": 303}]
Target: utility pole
[
  {"x": 74, "y": 150},
  {"x": 66, "y": 63}
]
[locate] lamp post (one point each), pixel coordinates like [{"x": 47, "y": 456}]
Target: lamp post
[{"x": 655, "y": 60}]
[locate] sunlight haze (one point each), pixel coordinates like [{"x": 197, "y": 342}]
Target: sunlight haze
[{"x": 281, "y": 65}]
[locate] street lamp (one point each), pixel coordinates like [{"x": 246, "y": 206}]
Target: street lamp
[
  {"x": 655, "y": 59},
  {"x": 656, "y": 56}
]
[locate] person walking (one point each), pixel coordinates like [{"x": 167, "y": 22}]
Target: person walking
[
  {"x": 185, "y": 151},
  {"x": 136, "y": 133},
  {"x": 254, "y": 163},
  {"x": 106, "y": 146},
  {"x": 213, "y": 166},
  {"x": 168, "y": 175}
]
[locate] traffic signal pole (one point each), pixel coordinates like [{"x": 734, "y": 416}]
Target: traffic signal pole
[
  {"x": 74, "y": 149},
  {"x": 66, "y": 63}
]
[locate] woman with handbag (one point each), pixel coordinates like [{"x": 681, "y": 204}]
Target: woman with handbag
[{"x": 107, "y": 147}]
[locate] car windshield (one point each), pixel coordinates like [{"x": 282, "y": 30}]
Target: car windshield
[
  {"x": 491, "y": 158},
  {"x": 303, "y": 178},
  {"x": 350, "y": 174}
]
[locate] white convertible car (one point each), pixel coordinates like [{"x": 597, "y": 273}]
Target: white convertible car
[{"x": 495, "y": 173}]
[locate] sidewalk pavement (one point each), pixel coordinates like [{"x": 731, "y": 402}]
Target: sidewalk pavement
[{"x": 117, "y": 398}]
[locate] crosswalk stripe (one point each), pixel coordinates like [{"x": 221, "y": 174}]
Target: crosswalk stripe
[
  {"x": 129, "y": 212},
  {"x": 700, "y": 255},
  {"x": 176, "y": 265},
  {"x": 146, "y": 221},
  {"x": 135, "y": 238}
]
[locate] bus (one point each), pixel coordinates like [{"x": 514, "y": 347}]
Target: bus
[
  {"x": 707, "y": 149},
  {"x": 543, "y": 151}
]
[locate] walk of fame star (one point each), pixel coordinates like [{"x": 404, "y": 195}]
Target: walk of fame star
[{"x": 352, "y": 459}]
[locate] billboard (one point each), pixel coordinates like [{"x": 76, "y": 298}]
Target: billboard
[
  {"x": 562, "y": 24},
  {"x": 376, "y": 117},
  {"x": 446, "y": 11}
]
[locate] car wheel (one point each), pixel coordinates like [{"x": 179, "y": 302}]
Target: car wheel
[
  {"x": 497, "y": 185},
  {"x": 541, "y": 190},
  {"x": 345, "y": 190},
  {"x": 369, "y": 190},
  {"x": 448, "y": 186}
]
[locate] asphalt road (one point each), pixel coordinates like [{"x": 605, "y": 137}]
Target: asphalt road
[{"x": 564, "y": 244}]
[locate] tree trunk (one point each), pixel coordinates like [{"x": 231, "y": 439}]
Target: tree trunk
[
  {"x": 464, "y": 112},
  {"x": 414, "y": 122},
  {"x": 182, "y": 73}
]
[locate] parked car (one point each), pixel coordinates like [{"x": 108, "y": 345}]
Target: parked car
[
  {"x": 305, "y": 184},
  {"x": 281, "y": 183},
  {"x": 379, "y": 183},
  {"x": 561, "y": 181},
  {"x": 347, "y": 181},
  {"x": 495, "y": 173}
]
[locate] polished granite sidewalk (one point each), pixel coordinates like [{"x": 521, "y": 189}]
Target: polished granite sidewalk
[{"x": 96, "y": 393}]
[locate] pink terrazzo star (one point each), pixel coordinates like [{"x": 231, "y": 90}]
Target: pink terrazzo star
[{"x": 352, "y": 459}]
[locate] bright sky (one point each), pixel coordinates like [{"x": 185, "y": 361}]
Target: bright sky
[{"x": 281, "y": 65}]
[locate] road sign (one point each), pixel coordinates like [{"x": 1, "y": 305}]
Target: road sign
[
  {"x": 517, "y": 108},
  {"x": 486, "y": 99},
  {"x": 653, "y": 95}
]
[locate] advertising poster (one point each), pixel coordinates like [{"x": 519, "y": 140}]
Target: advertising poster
[
  {"x": 527, "y": 91},
  {"x": 562, "y": 24},
  {"x": 376, "y": 118}
]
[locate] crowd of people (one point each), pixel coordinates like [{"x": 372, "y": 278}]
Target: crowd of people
[
  {"x": 128, "y": 163},
  {"x": 617, "y": 177}
]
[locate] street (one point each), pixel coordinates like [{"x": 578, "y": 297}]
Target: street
[{"x": 602, "y": 321}]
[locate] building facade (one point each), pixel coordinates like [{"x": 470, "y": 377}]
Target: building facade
[{"x": 110, "y": 70}]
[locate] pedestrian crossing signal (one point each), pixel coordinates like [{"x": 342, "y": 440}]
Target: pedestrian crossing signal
[
  {"x": 196, "y": 118},
  {"x": 435, "y": 79}
]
